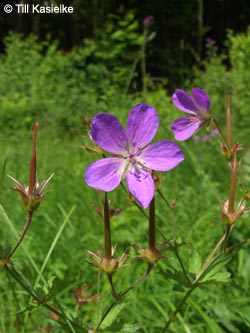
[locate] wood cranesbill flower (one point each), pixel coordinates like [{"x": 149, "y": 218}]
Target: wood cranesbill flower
[
  {"x": 132, "y": 153},
  {"x": 198, "y": 109}
]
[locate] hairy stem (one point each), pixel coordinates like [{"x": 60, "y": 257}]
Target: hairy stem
[
  {"x": 104, "y": 315},
  {"x": 229, "y": 129},
  {"x": 233, "y": 247},
  {"x": 178, "y": 308},
  {"x": 25, "y": 229},
  {"x": 151, "y": 230},
  {"x": 107, "y": 232},
  {"x": 233, "y": 182},
  {"x": 195, "y": 283},
  {"x": 143, "y": 65},
  {"x": 113, "y": 291},
  {"x": 210, "y": 257},
  {"x": 143, "y": 277},
  {"x": 182, "y": 266},
  {"x": 32, "y": 174},
  {"x": 222, "y": 134},
  {"x": 121, "y": 295},
  {"x": 14, "y": 273}
]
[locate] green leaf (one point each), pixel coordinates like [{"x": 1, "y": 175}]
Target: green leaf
[
  {"x": 216, "y": 270},
  {"x": 130, "y": 328},
  {"x": 117, "y": 35},
  {"x": 195, "y": 263},
  {"x": 218, "y": 277},
  {"x": 112, "y": 315},
  {"x": 176, "y": 275},
  {"x": 4, "y": 250},
  {"x": 211, "y": 324}
]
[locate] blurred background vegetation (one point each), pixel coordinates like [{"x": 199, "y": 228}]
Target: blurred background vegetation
[{"x": 61, "y": 69}]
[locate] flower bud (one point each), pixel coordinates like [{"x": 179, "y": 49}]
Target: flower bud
[
  {"x": 151, "y": 255},
  {"x": 108, "y": 265},
  {"x": 231, "y": 217},
  {"x": 33, "y": 194}
]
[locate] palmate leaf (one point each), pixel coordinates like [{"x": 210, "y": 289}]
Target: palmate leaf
[
  {"x": 112, "y": 316},
  {"x": 177, "y": 276},
  {"x": 223, "y": 277},
  {"x": 216, "y": 270}
]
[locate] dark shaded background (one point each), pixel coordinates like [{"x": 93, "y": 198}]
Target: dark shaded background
[{"x": 181, "y": 27}]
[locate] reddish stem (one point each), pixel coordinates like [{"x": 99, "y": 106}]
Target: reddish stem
[
  {"x": 233, "y": 181},
  {"x": 32, "y": 174},
  {"x": 229, "y": 130}
]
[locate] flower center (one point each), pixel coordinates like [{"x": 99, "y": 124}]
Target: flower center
[{"x": 132, "y": 156}]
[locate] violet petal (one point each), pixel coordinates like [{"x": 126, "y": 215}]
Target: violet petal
[
  {"x": 161, "y": 156},
  {"x": 201, "y": 98},
  {"x": 141, "y": 185},
  {"x": 108, "y": 133},
  {"x": 184, "y": 102},
  {"x": 185, "y": 127},
  {"x": 142, "y": 124},
  {"x": 105, "y": 174}
]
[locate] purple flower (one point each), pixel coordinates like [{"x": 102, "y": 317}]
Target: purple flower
[
  {"x": 209, "y": 41},
  {"x": 198, "y": 109},
  {"x": 148, "y": 20},
  {"x": 132, "y": 155}
]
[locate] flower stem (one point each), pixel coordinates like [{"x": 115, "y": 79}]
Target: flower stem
[
  {"x": 182, "y": 265},
  {"x": 233, "y": 181},
  {"x": 121, "y": 295},
  {"x": 113, "y": 291},
  {"x": 107, "y": 232},
  {"x": 143, "y": 64},
  {"x": 229, "y": 228},
  {"x": 25, "y": 229},
  {"x": 229, "y": 129},
  {"x": 233, "y": 247},
  {"x": 210, "y": 257},
  {"x": 222, "y": 134},
  {"x": 151, "y": 232},
  {"x": 32, "y": 173},
  {"x": 171, "y": 207},
  {"x": 178, "y": 307},
  {"x": 143, "y": 277},
  {"x": 106, "y": 312},
  {"x": 14, "y": 273},
  {"x": 195, "y": 283}
]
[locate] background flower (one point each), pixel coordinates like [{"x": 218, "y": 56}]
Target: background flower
[
  {"x": 131, "y": 153},
  {"x": 198, "y": 108}
]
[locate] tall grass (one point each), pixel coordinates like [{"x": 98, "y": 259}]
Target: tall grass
[{"x": 67, "y": 224}]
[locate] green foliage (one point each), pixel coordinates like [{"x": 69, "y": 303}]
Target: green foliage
[
  {"x": 228, "y": 73},
  {"x": 106, "y": 59},
  {"x": 215, "y": 272},
  {"x": 38, "y": 87},
  {"x": 40, "y": 83},
  {"x": 112, "y": 316},
  {"x": 59, "y": 89}
]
